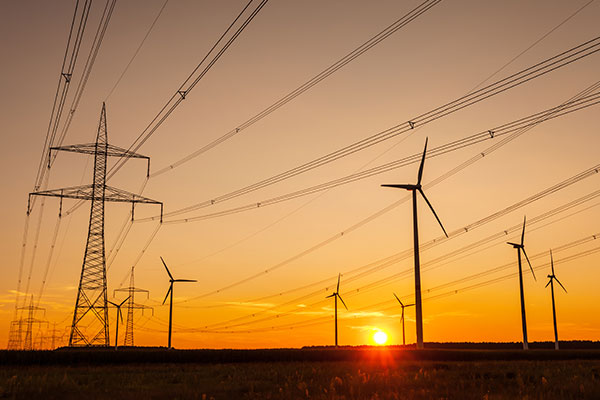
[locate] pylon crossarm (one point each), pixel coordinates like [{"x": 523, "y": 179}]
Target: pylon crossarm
[
  {"x": 132, "y": 290},
  {"x": 90, "y": 148},
  {"x": 118, "y": 195},
  {"x": 85, "y": 192}
]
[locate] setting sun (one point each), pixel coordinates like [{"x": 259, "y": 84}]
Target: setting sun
[{"x": 380, "y": 337}]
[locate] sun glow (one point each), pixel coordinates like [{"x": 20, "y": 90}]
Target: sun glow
[{"x": 380, "y": 337}]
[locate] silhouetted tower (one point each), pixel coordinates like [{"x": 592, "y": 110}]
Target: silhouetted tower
[
  {"x": 91, "y": 307},
  {"x": 28, "y": 323},
  {"x": 131, "y": 306},
  {"x": 53, "y": 335},
  {"x": 15, "y": 335}
]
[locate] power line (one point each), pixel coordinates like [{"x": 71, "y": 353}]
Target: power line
[
  {"x": 64, "y": 80},
  {"x": 87, "y": 70},
  {"x": 558, "y": 61},
  {"x": 516, "y": 126},
  {"x": 137, "y": 50},
  {"x": 553, "y": 189},
  {"x": 192, "y": 80},
  {"x": 372, "y": 42},
  {"x": 444, "y": 294},
  {"x": 368, "y": 269}
]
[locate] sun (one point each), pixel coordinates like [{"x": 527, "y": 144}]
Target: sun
[{"x": 380, "y": 337}]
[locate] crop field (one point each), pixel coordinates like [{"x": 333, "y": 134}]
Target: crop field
[{"x": 356, "y": 374}]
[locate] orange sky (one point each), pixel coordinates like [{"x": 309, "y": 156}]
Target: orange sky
[{"x": 437, "y": 58}]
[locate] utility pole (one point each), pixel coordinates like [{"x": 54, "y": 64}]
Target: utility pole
[
  {"x": 91, "y": 305},
  {"x": 131, "y": 306}
]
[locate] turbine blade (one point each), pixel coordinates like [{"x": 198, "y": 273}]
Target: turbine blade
[
  {"x": 529, "y": 262},
  {"x": 342, "y": 300},
  {"x": 561, "y": 285},
  {"x": 338, "y": 285},
  {"x": 550, "y": 280},
  {"x": 433, "y": 211},
  {"x": 523, "y": 233},
  {"x": 552, "y": 262},
  {"x": 409, "y": 305},
  {"x": 398, "y": 300},
  {"x": 123, "y": 302},
  {"x": 165, "y": 264},
  {"x": 112, "y": 303},
  {"x": 420, "y": 175},
  {"x": 401, "y": 186},
  {"x": 331, "y": 295},
  {"x": 120, "y": 314},
  {"x": 185, "y": 280},
  {"x": 168, "y": 292}
]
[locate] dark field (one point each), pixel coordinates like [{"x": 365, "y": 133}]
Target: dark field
[{"x": 356, "y": 373}]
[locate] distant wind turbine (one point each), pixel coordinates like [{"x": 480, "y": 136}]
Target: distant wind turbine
[
  {"x": 336, "y": 296},
  {"x": 521, "y": 247},
  {"x": 119, "y": 315},
  {"x": 170, "y": 292},
  {"x": 402, "y": 318},
  {"x": 551, "y": 283},
  {"x": 414, "y": 189}
]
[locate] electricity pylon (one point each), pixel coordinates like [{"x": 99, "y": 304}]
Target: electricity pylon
[
  {"x": 15, "y": 335},
  {"x": 52, "y": 335},
  {"x": 131, "y": 306},
  {"x": 91, "y": 305},
  {"x": 28, "y": 323}
]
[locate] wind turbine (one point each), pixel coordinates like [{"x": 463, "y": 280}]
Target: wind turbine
[
  {"x": 119, "y": 315},
  {"x": 170, "y": 291},
  {"x": 402, "y": 318},
  {"x": 336, "y": 296},
  {"x": 551, "y": 283},
  {"x": 414, "y": 189},
  {"x": 521, "y": 247}
]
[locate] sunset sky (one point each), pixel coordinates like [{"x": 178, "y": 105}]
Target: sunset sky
[{"x": 470, "y": 285}]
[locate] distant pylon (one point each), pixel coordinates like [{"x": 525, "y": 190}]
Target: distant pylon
[
  {"x": 91, "y": 307},
  {"x": 28, "y": 322},
  {"x": 131, "y": 306},
  {"x": 15, "y": 335},
  {"x": 53, "y": 335}
]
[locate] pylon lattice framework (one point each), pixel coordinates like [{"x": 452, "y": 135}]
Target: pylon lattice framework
[{"x": 91, "y": 306}]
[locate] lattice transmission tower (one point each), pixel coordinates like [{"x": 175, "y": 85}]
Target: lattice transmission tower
[
  {"x": 28, "y": 322},
  {"x": 91, "y": 307},
  {"x": 131, "y": 306}
]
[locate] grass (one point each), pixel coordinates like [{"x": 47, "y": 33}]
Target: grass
[{"x": 376, "y": 378}]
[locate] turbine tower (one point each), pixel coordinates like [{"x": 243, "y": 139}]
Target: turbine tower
[
  {"x": 336, "y": 296},
  {"x": 521, "y": 247},
  {"x": 119, "y": 315},
  {"x": 402, "y": 318},
  {"x": 91, "y": 305},
  {"x": 414, "y": 188},
  {"x": 551, "y": 283},
  {"x": 131, "y": 306},
  {"x": 170, "y": 291}
]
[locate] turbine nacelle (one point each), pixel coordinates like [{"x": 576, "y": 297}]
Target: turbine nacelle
[
  {"x": 337, "y": 293},
  {"x": 552, "y": 276},
  {"x": 418, "y": 187},
  {"x": 521, "y": 246},
  {"x": 173, "y": 280}
]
